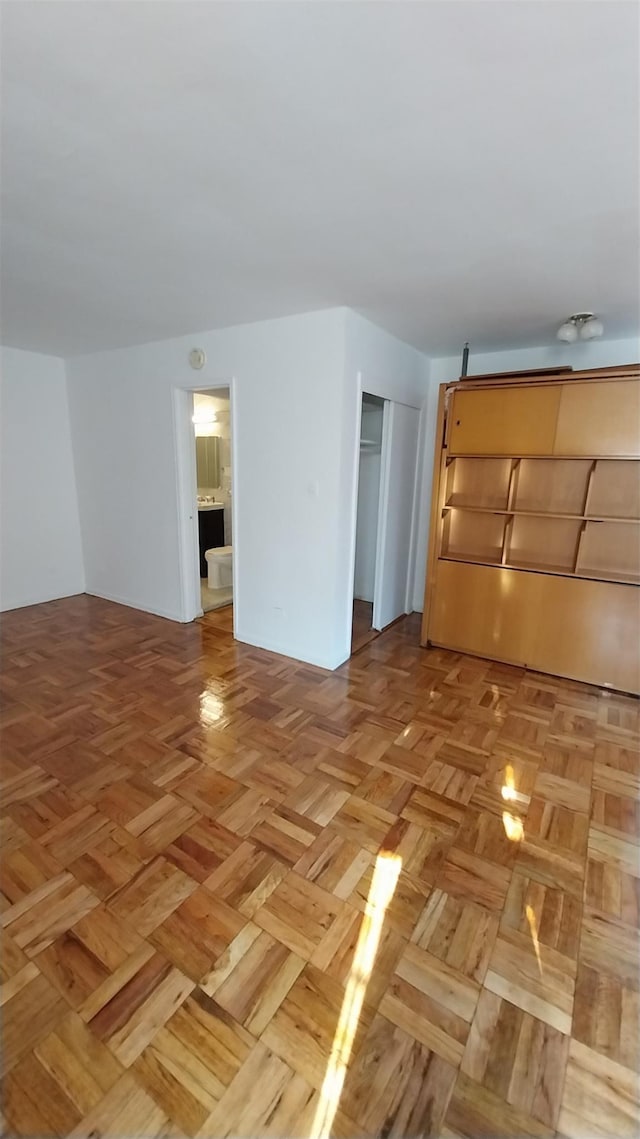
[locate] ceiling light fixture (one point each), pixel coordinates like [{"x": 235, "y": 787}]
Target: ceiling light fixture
[
  {"x": 204, "y": 417},
  {"x": 580, "y": 326}
]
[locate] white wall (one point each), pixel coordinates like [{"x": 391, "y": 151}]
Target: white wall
[
  {"x": 296, "y": 405},
  {"x": 40, "y": 549},
  {"x": 382, "y": 365},
  {"x": 388, "y": 367},
  {"x": 585, "y": 354},
  {"x": 288, "y": 393},
  {"x": 445, "y": 369}
]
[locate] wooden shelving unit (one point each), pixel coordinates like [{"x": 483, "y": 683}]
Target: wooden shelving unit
[
  {"x": 575, "y": 516},
  {"x": 536, "y": 504}
]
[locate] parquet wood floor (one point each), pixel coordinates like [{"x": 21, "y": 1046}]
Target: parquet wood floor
[{"x": 241, "y": 896}]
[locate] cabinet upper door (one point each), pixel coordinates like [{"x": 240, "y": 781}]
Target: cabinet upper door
[
  {"x": 599, "y": 419},
  {"x": 201, "y": 461},
  {"x": 208, "y": 461},
  {"x": 504, "y": 421}
]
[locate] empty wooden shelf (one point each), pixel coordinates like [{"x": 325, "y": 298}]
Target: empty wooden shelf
[
  {"x": 476, "y": 536},
  {"x": 610, "y": 550},
  {"x": 552, "y": 486},
  {"x": 615, "y": 489},
  {"x": 534, "y": 548},
  {"x": 543, "y": 543},
  {"x": 483, "y": 483}
]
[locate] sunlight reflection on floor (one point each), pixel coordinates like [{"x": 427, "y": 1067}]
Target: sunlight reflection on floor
[{"x": 383, "y": 883}]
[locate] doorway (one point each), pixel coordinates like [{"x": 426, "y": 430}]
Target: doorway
[
  {"x": 367, "y": 516},
  {"x": 212, "y": 440},
  {"x": 385, "y": 516}
]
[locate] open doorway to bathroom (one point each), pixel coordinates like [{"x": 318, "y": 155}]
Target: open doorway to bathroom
[
  {"x": 367, "y": 518},
  {"x": 212, "y": 441}
]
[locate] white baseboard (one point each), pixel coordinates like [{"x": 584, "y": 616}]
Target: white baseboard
[
  {"x": 6, "y": 607},
  {"x": 142, "y": 607},
  {"x": 328, "y": 664}
]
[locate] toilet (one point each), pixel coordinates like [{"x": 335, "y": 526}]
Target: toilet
[{"x": 219, "y": 567}]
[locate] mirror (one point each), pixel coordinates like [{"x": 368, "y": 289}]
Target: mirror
[{"x": 208, "y": 461}]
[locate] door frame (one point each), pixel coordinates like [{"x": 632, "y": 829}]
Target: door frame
[
  {"x": 383, "y": 501},
  {"x": 186, "y": 494},
  {"x": 392, "y": 409},
  {"x": 383, "y": 504},
  {"x": 383, "y": 492}
]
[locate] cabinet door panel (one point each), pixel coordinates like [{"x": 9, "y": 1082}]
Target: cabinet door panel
[
  {"x": 490, "y": 611},
  {"x": 504, "y": 421},
  {"x": 599, "y": 419},
  {"x": 588, "y": 630},
  {"x": 585, "y": 630}
]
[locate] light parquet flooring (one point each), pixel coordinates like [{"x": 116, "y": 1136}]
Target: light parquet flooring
[{"x": 193, "y": 837}]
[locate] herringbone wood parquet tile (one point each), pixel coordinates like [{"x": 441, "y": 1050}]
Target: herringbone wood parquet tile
[{"x": 194, "y": 837}]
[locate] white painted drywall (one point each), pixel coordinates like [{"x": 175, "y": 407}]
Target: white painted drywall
[
  {"x": 384, "y": 366},
  {"x": 40, "y": 548},
  {"x": 589, "y": 354},
  {"x": 389, "y": 368},
  {"x": 297, "y": 392},
  {"x": 368, "y": 500},
  {"x": 291, "y": 507},
  {"x": 584, "y": 354}
]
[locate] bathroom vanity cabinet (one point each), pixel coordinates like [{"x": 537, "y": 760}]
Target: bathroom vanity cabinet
[{"x": 210, "y": 531}]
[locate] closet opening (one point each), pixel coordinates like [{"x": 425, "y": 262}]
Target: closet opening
[{"x": 367, "y": 520}]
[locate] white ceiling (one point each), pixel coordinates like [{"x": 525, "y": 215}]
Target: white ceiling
[{"x": 452, "y": 170}]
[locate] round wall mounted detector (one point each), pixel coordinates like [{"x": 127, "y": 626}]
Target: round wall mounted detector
[{"x": 197, "y": 358}]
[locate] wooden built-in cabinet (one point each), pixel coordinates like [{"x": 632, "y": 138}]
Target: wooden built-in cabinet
[
  {"x": 598, "y": 418},
  {"x": 571, "y": 418},
  {"x": 534, "y": 551},
  {"x": 505, "y": 421}
]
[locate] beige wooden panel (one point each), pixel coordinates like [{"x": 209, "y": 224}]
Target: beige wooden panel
[
  {"x": 585, "y": 630},
  {"x": 487, "y": 610},
  {"x": 615, "y": 489},
  {"x": 558, "y": 486},
  {"x": 504, "y": 421},
  {"x": 438, "y": 490},
  {"x": 471, "y": 535},
  {"x": 599, "y": 419},
  {"x": 589, "y": 630},
  {"x": 478, "y": 482},
  {"x": 610, "y": 549},
  {"x": 550, "y": 543}
]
